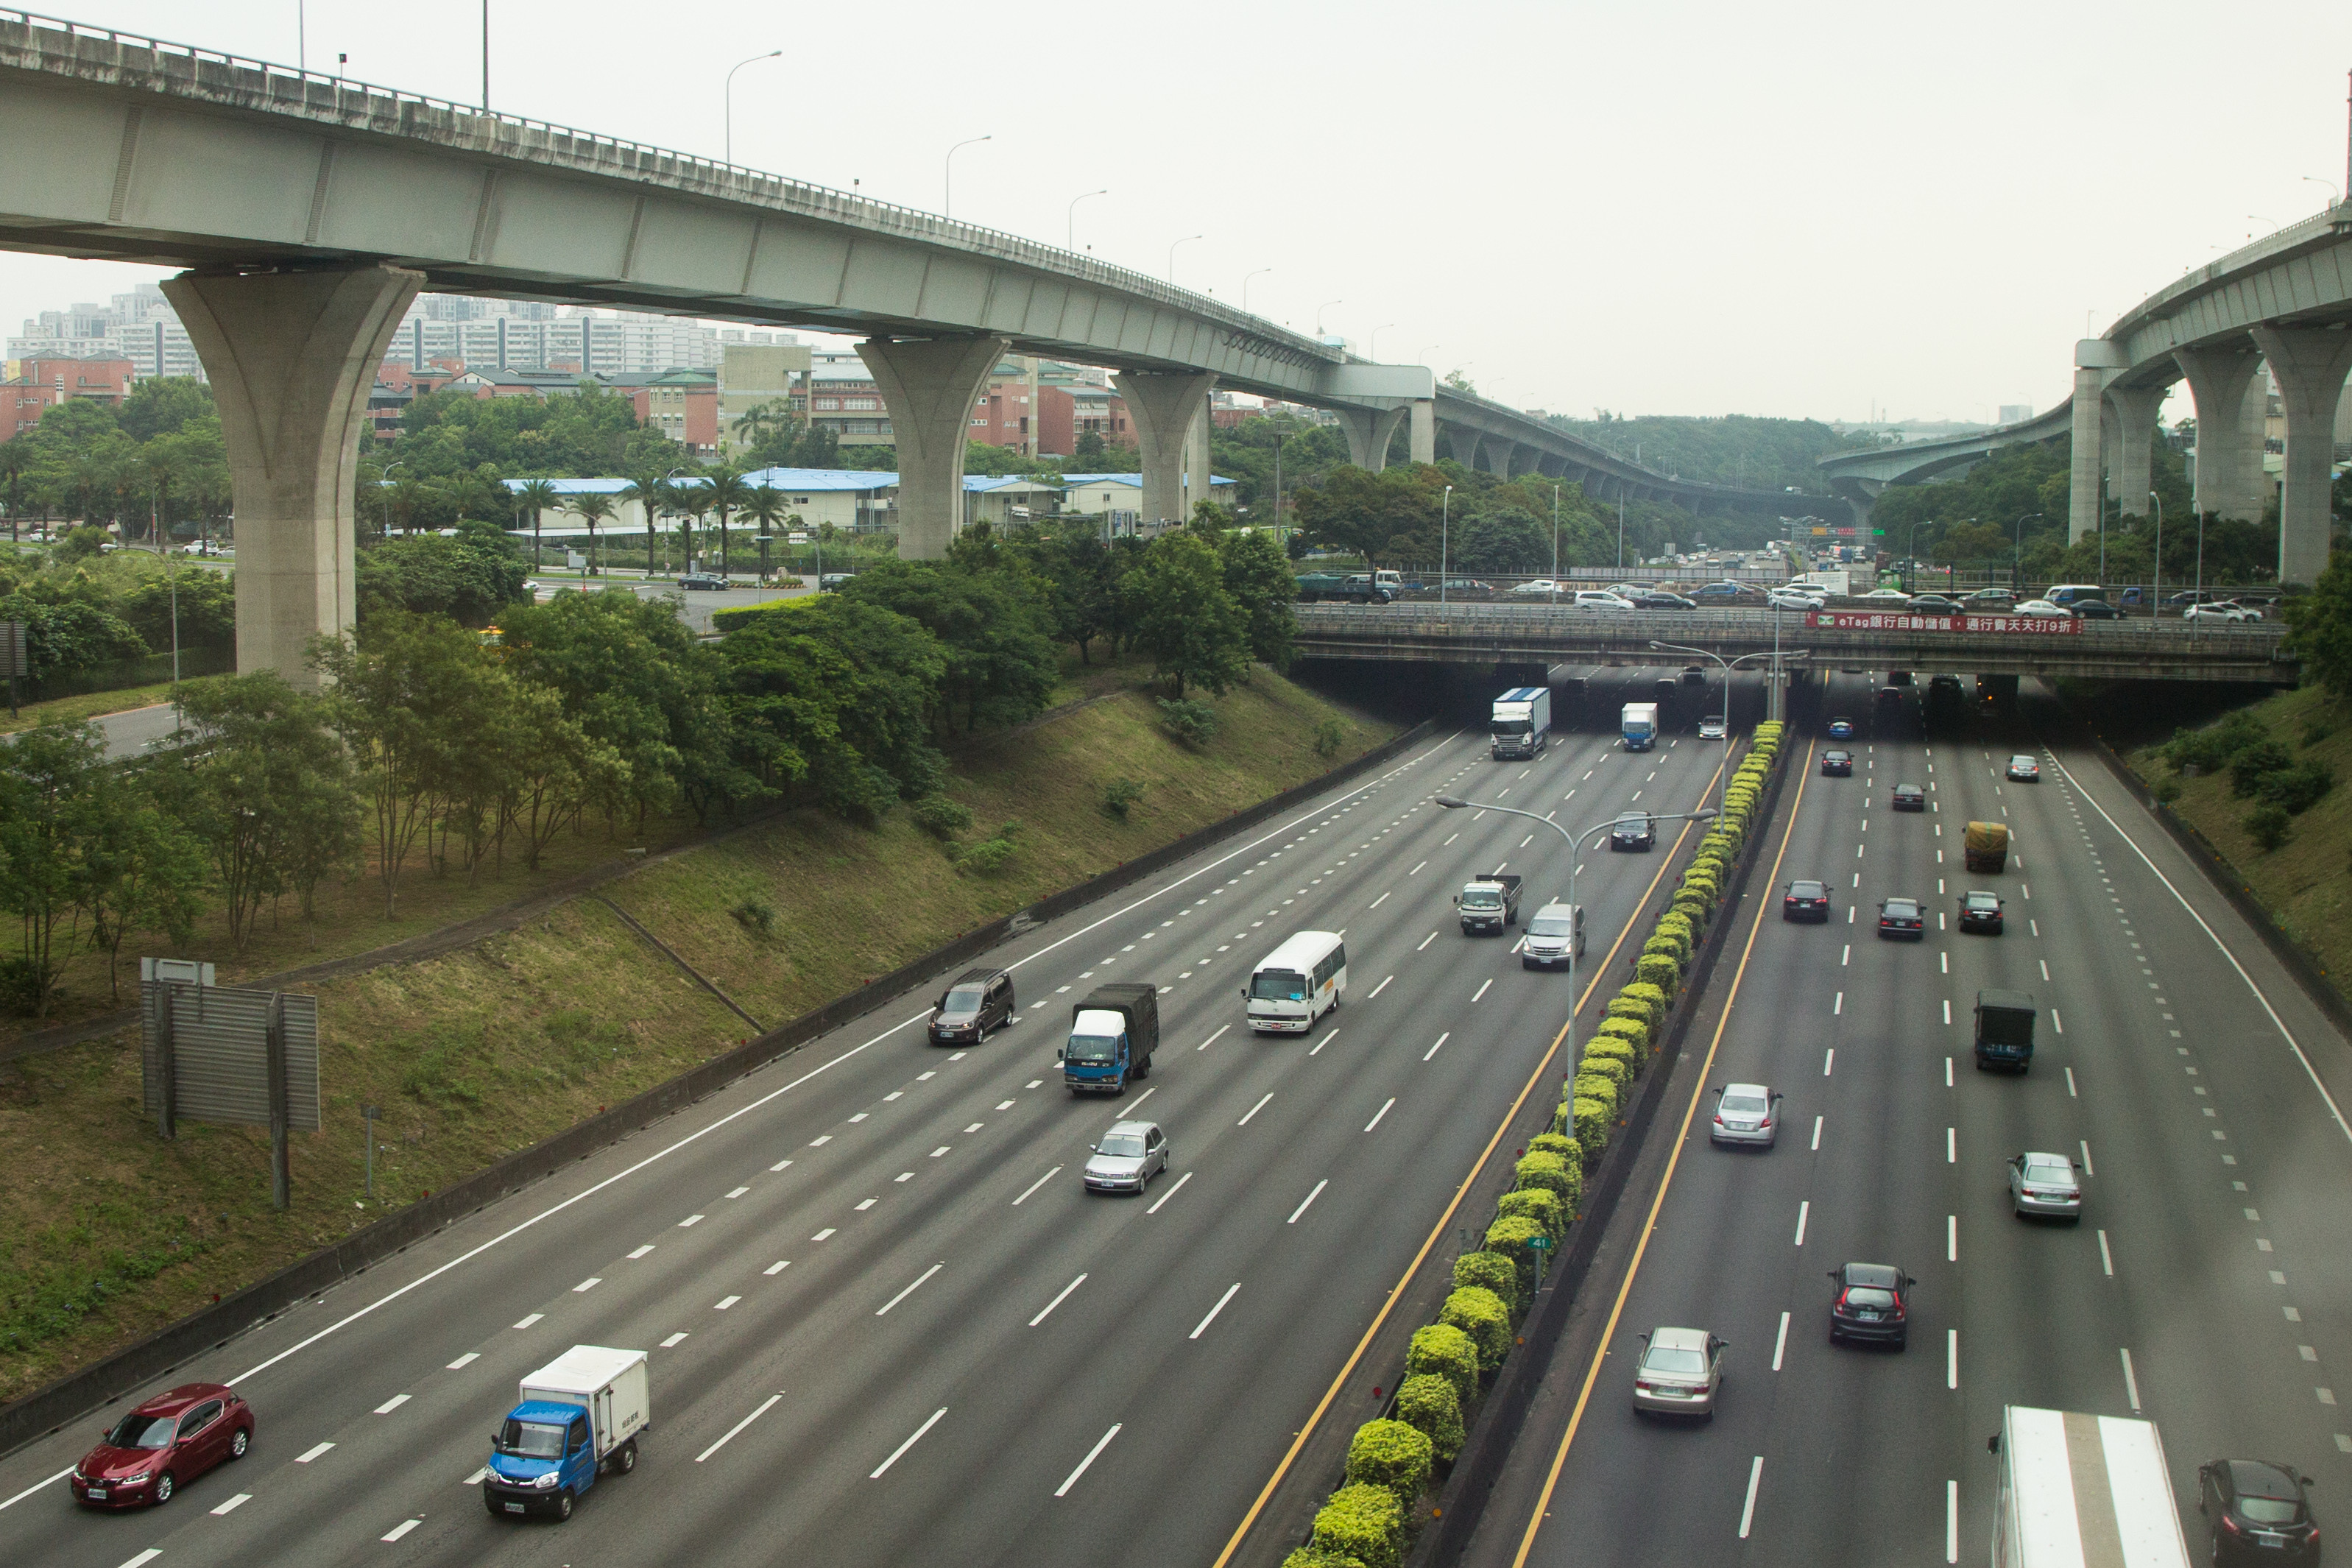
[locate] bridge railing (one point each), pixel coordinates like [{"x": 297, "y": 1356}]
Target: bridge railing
[{"x": 1621, "y": 628}]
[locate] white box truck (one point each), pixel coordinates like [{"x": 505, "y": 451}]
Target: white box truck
[
  {"x": 1639, "y": 725},
  {"x": 580, "y": 1418},
  {"x": 2087, "y": 1491},
  {"x": 1521, "y": 722}
]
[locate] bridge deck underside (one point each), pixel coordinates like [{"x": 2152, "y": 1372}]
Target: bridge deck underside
[{"x": 1513, "y": 634}]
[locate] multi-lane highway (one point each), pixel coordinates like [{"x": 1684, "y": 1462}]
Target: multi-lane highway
[
  {"x": 887, "y": 1324},
  {"x": 2204, "y": 1287}
]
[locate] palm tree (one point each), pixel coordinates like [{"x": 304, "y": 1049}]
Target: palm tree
[
  {"x": 592, "y": 507},
  {"x": 650, "y": 494},
  {"x": 14, "y": 461},
  {"x": 472, "y": 495},
  {"x": 762, "y": 420},
  {"x": 725, "y": 492},
  {"x": 765, "y": 506},
  {"x": 409, "y": 495},
  {"x": 160, "y": 474},
  {"x": 536, "y": 496}
]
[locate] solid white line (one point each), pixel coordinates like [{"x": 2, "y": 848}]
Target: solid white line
[
  {"x": 901, "y": 1450},
  {"x": 1219, "y": 1307},
  {"x": 1303, "y": 1202},
  {"x": 316, "y": 1451},
  {"x": 1847, "y": 956},
  {"x": 1482, "y": 990},
  {"x": 2131, "y": 1383},
  {"x": 674, "y": 1341},
  {"x": 1951, "y": 1358},
  {"x": 1092, "y": 1454},
  {"x": 394, "y": 1533},
  {"x": 2070, "y": 1085},
  {"x": 746, "y": 1110},
  {"x": 1805, "y": 1211},
  {"x": 724, "y": 1302},
  {"x": 1057, "y": 1301},
  {"x": 1951, "y": 1238},
  {"x": 2332, "y": 1108},
  {"x": 739, "y": 1426},
  {"x": 1951, "y": 1521},
  {"x": 1416, "y": 868},
  {"x": 1375, "y": 904},
  {"x": 641, "y": 1251},
  {"x": 152, "y": 1553},
  {"x": 910, "y": 1290},
  {"x": 1036, "y": 1185},
  {"x": 1323, "y": 1042},
  {"x": 1254, "y": 1110},
  {"x": 1748, "y": 1511},
  {"x": 587, "y": 1285},
  {"x": 2106, "y": 1258},
  {"x": 238, "y": 1500},
  {"x": 1441, "y": 1040},
  {"x": 1375, "y": 1122},
  {"x": 1782, "y": 1343},
  {"x": 1212, "y": 1040},
  {"x": 1817, "y": 1134},
  {"x": 52, "y": 1480},
  {"x": 1169, "y": 1193},
  {"x": 1378, "y": 989},
  {"x": 778, "y": 1267},
  {"x": 389, "y": 1406},
  {"x": 1947, "y": 1072}
]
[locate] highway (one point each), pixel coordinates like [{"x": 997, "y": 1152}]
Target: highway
[
  {"x": 886, "y": 1323},
  {"x": 2205, "y": 1286}
]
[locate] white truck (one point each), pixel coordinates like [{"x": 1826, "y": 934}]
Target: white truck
[
  {"x": 2085, "y": 1492},
  {"x": 580, "y": 1418},
  {"x": 1828, "y": 584},
  {"x": 1521, "y": 722},
  {"x": 1639, "y": 725}
]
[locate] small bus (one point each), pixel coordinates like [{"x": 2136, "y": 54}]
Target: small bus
[
  {"x": 1297, "y": 982},
  {"x": 2083, "y": 1491}
]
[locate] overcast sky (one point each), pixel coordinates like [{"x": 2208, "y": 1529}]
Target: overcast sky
[{"x": 1806, "y": 209}]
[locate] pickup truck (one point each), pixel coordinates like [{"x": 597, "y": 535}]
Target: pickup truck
[
  {"x": 1359, "y": 589},
  {"x": 1112, "y": 1033},
  {"x": 580, "y": 1418},
  {"x": 1488, "y": 904}
]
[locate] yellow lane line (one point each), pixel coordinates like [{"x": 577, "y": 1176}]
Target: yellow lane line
[{"x": 1698, "y": 1087}]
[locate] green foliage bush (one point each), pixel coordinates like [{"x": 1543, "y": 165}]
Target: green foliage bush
[
  {"x": 2296, "y": 789},
  {"x": 1362, "y": 1521},
  {"x": 756, "y": 916},
  {"x": 1560, "y": 1145},
  {"x": 1513, "y": 1236},
  {"x": 1481, "y": 1314},
  {"x": 2165, "y": 789},
  {"x": 941, "y": 817},
  {"x": 1654, "y": 996},
  {"x": 1663, "y": 945},
  {"x": 1119, "y": 794},
  {"x": 2211, "y": 750},
  {"x": 1635, "y": 1032},
  {"x": 1542, "y": 1169},
  {"x": 1489, "y": 1272},
  {"x": 2267, "y": 825},
  {"x": 1588, "y": 1120},
  {"x": 1596, "y": 1087},
  {"x": 1427, "y": 1403},
  {"x": 1631, "y": 1008},
  {"x": 1656, "y": 969},
  {"x": 1190, "y": 720},
  {"x": 1391, "y": 1454},
  {"x": 1329, "y": 736},
  {"x": 1542, "y": 1206},
  {"x": 1316, "y": 1557},
  {"x": 1445, "y": 1351},
  {"x": 1616, "y": 1070},
  {"x": 988, "y": 857},
  {"x": 2254, "y": 762}
]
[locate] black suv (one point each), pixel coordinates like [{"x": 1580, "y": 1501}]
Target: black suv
[
  {"x": 2257, "y": 1511},
  {"x": 1910, "y": 798},
  {"x": 1872, "y": 1302},
  {"x": 1635, "y": 830},
  {"x": 980, "y": 1000},
  {"x": 1901, "y": 918},
  {"x": 1807, "y": 901},
  {"x": 1838, "y": 764}
]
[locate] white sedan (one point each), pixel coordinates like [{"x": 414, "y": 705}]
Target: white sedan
[
  {"x": 1883, "y": 596},
  {"x": 1594, "y": 599},
  {"x": 1790, "y": 599},
  {"x": 2221, "y": 610},
  {"x": 1536, "y": 586},
  {"x": 2043, "y": 609}
]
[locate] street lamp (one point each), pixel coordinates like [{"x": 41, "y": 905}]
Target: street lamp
[
  {"x": 1444, "y": 525},
  {"x": 2155, "y": 604},
  {"x": 1245, "y": 283},
  {"x": 1422, "y": 357},
  {"x": 1171, "y": 255},
  {"x": 727, "y": 97},
  {"x": 1073, "y": 215},
  {"x": 947, "y": 199},
  {"x": 1730, "y": 665},
  {"x": 1575, "y": 852},
  {"x": 2017, "y": 546},
  {"x": 1318, "y": 313},
  {"x": 1555, "y": 546},
  {"x": 1372, "y": 348},
  {"x": 2328, "y": 186}
]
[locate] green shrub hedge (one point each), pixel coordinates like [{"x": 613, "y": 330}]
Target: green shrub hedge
[
  {"x": 1391, "y": 1454},
  {"x": 1633, "y": 1007},
  {"x": 1598, "y": 1087},
  {"x": 1540, "y": 1168},
  {"x": 1588, "y": 1121},
  {"x": 1656, "y": 969},
  {"x": 1445, "y": 1351},
  {"x": 1541, "y": 1205},
  {"x": 1306, "y": 1556},
  {"x": 1489, "y": 1272},
  {"x": 1616, "y": 1070},
  {"x": 1513, "y": 1236},
  {"x": 1655, "y": 996},
  {"x": 1362, "y": 1521},
  {"x": 1480, "y": 1313},
  {"x": 1427, "y": 1403},
  {"x": 1557, "y": 1144},
  {"x": 1635, "y": 1032}
]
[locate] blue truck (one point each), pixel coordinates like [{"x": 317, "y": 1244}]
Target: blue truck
[
  {"x": 580, "y": 1418},
  {"x": 1639, "y": 725},
  {"x": 1112, "y": 1034}
]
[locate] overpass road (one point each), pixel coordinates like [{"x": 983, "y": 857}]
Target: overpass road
[
  {"x": 2205, "y": 1286},
  {"x": 887, "y": 1324}
]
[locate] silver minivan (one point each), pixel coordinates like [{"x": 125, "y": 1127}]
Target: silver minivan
[{"x": 1551, "y": 933}]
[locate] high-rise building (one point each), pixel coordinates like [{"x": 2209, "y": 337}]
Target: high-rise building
[{"x": 140, "y": 326}]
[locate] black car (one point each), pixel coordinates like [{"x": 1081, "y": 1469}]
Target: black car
[
  {"x": 1981, "y": 911},
  {"x": 1901, "y": 918},
  {"x": 1872, "y": 1302},
  {"x": 1806, "y": 900},
  {"x": 710, "y": 580},
  {"x": 1985, "y": 599},
  {"x": 2258, "y": 1511},
  {"x": 1694, "y": 675},
  {"x": 980, "y": 1000},
  {"x": 1910, "y": 797},
  {"x": 1934, "y": 605},
  {"x": 1659, "y": 599},
  {"x": 1838, "y": 764},
  {"x": 1635, "y": 830},
  {"x": 2095, "y": 610},
  {"x": 832, "y": 581},
  {"x": 1723, "y": 593}
]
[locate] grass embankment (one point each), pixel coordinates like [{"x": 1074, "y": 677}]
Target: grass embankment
[
  {"x": 2305, "y": 883},
  {"x": 91, "y": 705},
  {"x": 107, "y": 1233}
]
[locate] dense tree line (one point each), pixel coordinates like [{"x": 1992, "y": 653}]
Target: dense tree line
[
  {"x": 155, "y": 464},
  {"x": 1728, "y": 449}
]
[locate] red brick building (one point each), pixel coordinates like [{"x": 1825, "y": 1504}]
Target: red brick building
[{"x": 40, "y": 385}]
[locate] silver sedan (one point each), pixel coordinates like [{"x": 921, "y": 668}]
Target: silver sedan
[
  {"x": 1129, "y": 1156},
  {"x": 1678, "y": 1374},
  {"x": 2045, "y": 1184},
  {"x": 1745, "y": 1114}
]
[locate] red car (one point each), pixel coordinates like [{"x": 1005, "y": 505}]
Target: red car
[{"x": 163, "y": 1445}]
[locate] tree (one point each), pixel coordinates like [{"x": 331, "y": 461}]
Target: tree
[
  {"x": 534, "y": 499},
  {"x": 765, "y": 506},
  {"x": 1077, "y": 577},
  {"x": 594, "y": 508},
  {"x": 57, "y": 792},
  {"x": 723, "y": 492},
  {"x": 2322, "y": 625},
  {"x": 651, "y": 494},
  {"x": 1180, "y": 613},
  {"x": 1503, "y": 540},
  {"x": 164, "y": 405},
  {"x": 1259, "y": 580},
  {"x": 471, "y": 578},
  {"x": 1001, "y": 668},
  {"x": 146, "y": 872}
]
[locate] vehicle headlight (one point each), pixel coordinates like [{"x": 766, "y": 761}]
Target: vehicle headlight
[
  {"x": 548, "y": 1479},
  {"x": 134, "y": 1480}
]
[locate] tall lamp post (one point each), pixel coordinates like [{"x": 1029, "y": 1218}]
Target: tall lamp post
[
  {"x": 727, "y": 97},
  {"x": 1245, "y": 283},
  {"x": 1444, "y": 525},
  {"x": 1171, "y": 255},
  {"x": 947, "y": 195},
  {"x": 1072, "y": 238},
  {"x": 2017, "y": 548},
  {"x": 1727, "y": 666},
  {"x": 1575, "y": 852},
  {"x": 2156, "y": 598},
  {"x": 1555, "y": 546}
]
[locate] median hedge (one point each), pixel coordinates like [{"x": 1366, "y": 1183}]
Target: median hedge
[
  {"x": 1514, "y": 1237},
  {"x": 1480, "y": 1313},
  {"x": 1391, "y": 1454},
  {"x": 1426, "y": 1401},
  {"x": 1445, "y": 1351},
  {"x": 1489, "y": 1272},
  {"x": 1362, "y": 1521},
  {"x": 1538, "y": 1204}
]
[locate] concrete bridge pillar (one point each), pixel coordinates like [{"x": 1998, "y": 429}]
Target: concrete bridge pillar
[
  {"x": 1424, "y": 431},
  {"x": 292, "y": 357},
  {"x": 2232, "y": 408},
  {"x": 1465, "y": 442},
  {"x": 1495, "y": 453},
  {"x": 2311, "y": 364},
  {"x": 929, "y": 386},
  {"x": 2094, "y": 358},
  {"x": 2135, "y": 409},
  {"x": 1168, "y": 408},
  {"x": 1368, "y": 432}
]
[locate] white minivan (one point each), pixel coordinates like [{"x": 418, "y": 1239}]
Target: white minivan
[{"x": 1297, "y": 982}]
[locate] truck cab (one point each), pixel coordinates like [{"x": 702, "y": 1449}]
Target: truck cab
[
  {"x": 580, "y": 1418},
  {"x": 1521, "y": 724},
  {"x": 1112, "y": 1034},
  {"x": 1488, "y": 904}
]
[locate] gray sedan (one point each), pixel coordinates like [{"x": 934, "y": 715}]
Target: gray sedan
[
  {"x": 1745, "y": 1114},
  {"x": 1678, "y": 1374},
  {"x": 2045, "y": 1184},
  {"x": 1129, "y": 1156}
]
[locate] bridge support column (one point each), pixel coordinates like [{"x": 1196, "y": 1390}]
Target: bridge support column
[
  {"x": 929, "y": 386},
  {"x": 2135, "y": 408},
  {"x": 1167, "y": 407},
  {"x": 2311, "y": 365},
  {"x": 1495, "y": 453},
  {"x": 292, "y": 357},
  {"x": 2232, "y": 408},
  {"x": 1424, "y": 431},
  {"x": 1368, "y": 432},
  {"x": 1465, "y": 442},
  {"x": 2086, "y": 485}
]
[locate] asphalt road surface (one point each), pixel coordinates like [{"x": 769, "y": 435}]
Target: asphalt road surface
[
  {"x": 2205, "y": 1286},
  {"x": 887, "y": 1324}
]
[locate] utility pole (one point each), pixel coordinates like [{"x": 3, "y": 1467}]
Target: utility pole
[{"x": 486, "y": 66}]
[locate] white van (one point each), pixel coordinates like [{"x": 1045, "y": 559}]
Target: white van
[
  {"x": 1297, "y": 982},
  {"x": 2064, "y": 594}
]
